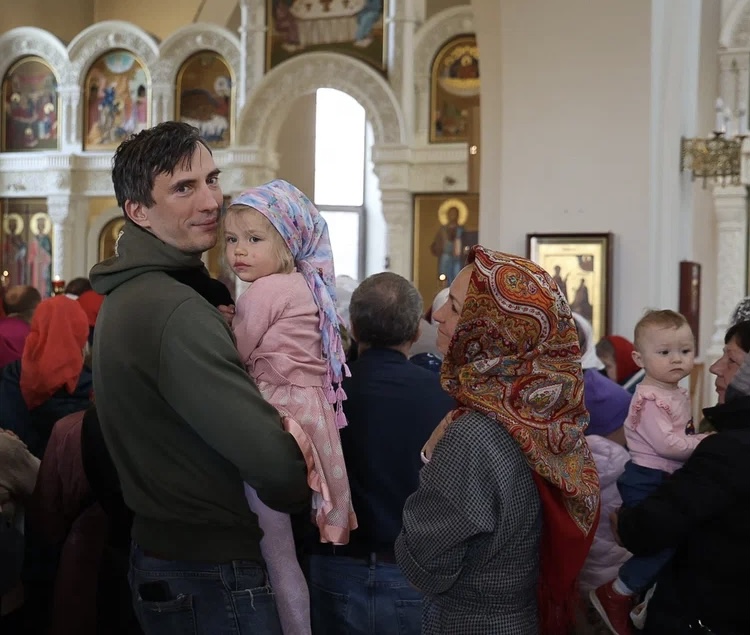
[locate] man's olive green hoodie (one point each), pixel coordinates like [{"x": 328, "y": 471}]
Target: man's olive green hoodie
[{"x": 183, "y": 421}]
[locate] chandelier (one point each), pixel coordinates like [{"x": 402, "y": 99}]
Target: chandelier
[{"x": 718, "y": 157}]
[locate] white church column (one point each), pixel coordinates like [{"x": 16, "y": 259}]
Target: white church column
[
  {"x": 162, "y": 102},
  {"x": 397, "y": 211},
  {"x": 731, "y": 222},
  {"x": 64, "y": 210},
  {"x": 403, "y": 25},
  {"x": 68, "y": 118},
  {"x": 391, "y": 166},
  {"x": 252, "y": 48}
]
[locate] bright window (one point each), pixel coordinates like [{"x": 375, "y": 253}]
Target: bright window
[
  {"x": 340, "y": 176},
  {"x": 339, "y": 149},
  {"x": 343, "y": 229}
]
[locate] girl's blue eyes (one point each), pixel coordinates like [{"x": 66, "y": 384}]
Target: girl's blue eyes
[{"x": 252, "y": 239}]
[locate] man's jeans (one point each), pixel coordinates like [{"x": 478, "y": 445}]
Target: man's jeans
[
  {"x": 351, "y": 596},
  {"x": 198, "y": 598}
]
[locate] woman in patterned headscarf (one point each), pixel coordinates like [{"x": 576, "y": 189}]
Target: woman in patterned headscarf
[{"x": 508, "y": 502}]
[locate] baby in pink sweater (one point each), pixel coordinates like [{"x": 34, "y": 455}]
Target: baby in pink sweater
[
  {"x": 660, "y": 436},
  {"x": 287, "y": 332}
]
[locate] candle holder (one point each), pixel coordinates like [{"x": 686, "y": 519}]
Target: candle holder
[
  {"x": 58, "y": 286},
  {"x": 718, "y": 158}
]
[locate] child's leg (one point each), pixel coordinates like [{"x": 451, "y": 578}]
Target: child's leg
[
  {"x": 640, "y": 572},
  {"x": 289, "y": 585},
  {"x": 636, "y": 484}
]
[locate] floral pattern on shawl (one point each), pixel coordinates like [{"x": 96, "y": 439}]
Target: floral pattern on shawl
[{"x": 515, "y": 357}]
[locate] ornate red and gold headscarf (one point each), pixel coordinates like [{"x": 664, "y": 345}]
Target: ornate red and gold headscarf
[{"x": 515, "y": 357}]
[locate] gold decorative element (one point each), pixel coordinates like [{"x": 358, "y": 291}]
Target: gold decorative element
[
  {"x": 19, "y": 224},
  {"x": 34, "y": 224},
  {"x": 457, "y": 203},
  {"x": 717, "y": 158}
]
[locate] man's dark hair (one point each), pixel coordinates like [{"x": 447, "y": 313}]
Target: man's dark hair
[
  {"x": 77, "y": 286},
  {"x": 385, "y": 311},
  {"x": 740, "y": 333},
  {"x": 143, "y": 156},
  {"x": 21, "y": 300}
]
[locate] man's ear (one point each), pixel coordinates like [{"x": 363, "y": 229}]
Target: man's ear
[
  {"x": 137, "y": 213},
  {"x": 637, "y": 358}
]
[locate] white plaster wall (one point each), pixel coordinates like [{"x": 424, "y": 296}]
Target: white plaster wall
[
  {"x": 565, "y": 129},
  {"x": 704, "y": 218}
]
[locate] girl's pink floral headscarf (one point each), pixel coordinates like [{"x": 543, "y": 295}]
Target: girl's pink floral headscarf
[
  {"x": 515, "y": 357},
  {"x": 306, "y": 234}
]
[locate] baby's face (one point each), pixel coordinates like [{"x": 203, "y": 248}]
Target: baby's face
[{"x": 666, "y": 353}]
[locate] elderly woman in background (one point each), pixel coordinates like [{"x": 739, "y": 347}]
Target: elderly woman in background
[
  {"x": 703, "y": 511},
  {"x": 424, "y": 352},
  {"x": 507, "y": 504}
]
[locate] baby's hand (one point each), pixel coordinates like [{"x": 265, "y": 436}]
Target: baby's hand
[{"x": 227, "y": 310}]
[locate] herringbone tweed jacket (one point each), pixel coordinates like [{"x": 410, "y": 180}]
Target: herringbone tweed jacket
[{"x": 470, "y": 536}]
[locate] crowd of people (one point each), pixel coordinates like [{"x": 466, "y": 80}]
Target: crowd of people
[{"x": 174, "y": 460}]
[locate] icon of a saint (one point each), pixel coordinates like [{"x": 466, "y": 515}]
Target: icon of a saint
[
  {"x": 14, "y": 249},
  {"x": 40, "y": 254},
  {"x": 448, "y": 245}
]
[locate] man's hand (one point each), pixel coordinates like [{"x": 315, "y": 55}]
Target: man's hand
[{"x": 227, "y": 310}]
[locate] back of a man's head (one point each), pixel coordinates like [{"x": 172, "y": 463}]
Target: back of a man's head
[
  {"x": 21, "y": 301},
  {"x": 385, "y": 311},
  {"x": 77, "y": 286}
]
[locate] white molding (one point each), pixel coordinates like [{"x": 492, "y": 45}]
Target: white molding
[
  {"x": 94, "y": 41},
  {"x": 184, "y": 42},
  {"x": 268, "y": 106},
  {"x": 435, "y": 32},
  {"x": 730, "y": 206},
  {"x": 732, "y": 26},
  {"x": 29, "y": 40}
]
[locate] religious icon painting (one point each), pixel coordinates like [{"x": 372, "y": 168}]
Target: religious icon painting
[
  {"x": 350, "y": 27},
  {"x": 108, "y": 237},
  {"x": 205, "y": 97},
  {"x": 116, "y": 100},
  {"x": 580, "y": 265},
  {"x": 445, "y": 228},
  {"x": 30, "y": 106},
  {"x": 26, "y": 248},
  {"x": 455, "y": 89}
]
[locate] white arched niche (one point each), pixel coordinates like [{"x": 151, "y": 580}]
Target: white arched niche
[
  {"x": 435, "y": 32},
  {"x": 268, "y": 107},
  {"x": 177, "y": 48}
]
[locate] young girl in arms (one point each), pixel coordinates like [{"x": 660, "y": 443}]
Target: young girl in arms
[
  {"x": 287, "y": 332},
  {"x": 660, "y": 435}
]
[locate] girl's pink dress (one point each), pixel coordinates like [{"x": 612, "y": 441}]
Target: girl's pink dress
[{"x": 278, "y": 336}]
